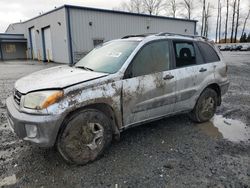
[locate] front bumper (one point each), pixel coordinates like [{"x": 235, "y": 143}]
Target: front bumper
[{"x": 47, "y": 125}]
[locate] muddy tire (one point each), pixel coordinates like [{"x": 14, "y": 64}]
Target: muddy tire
[
  {"x": 205, "y": 106},
  {"x": 84, "y": 137}
]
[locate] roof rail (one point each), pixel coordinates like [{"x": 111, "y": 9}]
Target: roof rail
[
  {"x": 139, "y": 35},
  {"x": 173, "y": 34},
  {"x": 167, "y": 34}
]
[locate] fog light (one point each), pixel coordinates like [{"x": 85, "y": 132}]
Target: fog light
[{"x": 31, "y": 130}]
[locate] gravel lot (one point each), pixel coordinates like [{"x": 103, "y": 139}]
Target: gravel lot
[{"x": 173, "y": 152}]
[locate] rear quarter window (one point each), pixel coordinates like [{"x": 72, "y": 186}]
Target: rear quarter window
[{"x": 208, "y": 53}]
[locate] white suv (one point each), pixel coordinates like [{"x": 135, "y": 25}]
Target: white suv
[{"x": 120, "y": 84}]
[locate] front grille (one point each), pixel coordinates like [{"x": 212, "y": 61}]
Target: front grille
[{"x": 17, "y": 97}]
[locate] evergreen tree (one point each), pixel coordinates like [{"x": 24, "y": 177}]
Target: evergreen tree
[
  {"x": 243, "y": 38},
  {"x": 248, "y": 38}
]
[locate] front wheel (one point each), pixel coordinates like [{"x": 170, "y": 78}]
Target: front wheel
[
  {"x": 85, "y": 136},
  {"x": 205, "y": 106}
]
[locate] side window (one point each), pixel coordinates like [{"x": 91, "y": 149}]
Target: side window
[
  {"x": 208, "y": 53},
  {"x": 184, "y": 54},
  {"x": 152, "y": 58}
]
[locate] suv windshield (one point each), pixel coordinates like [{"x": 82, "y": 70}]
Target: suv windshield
[{"x": 109, "y": 57}]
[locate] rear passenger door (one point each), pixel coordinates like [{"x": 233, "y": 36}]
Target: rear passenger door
[
  {"x": 185, "y": 62},
  {"x": 204, "y": 71}
]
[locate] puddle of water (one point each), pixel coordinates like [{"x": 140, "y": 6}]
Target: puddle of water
[
  {"x": 230, "y": 129},
  {"x": 10, "y": 180}
]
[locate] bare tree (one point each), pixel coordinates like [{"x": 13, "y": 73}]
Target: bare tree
[
  {"x": 232, "y": 29},
  {"x": 217, "y": 22},
  {"x": 203, "y": 16},
  {"x": 172, "y": 6},
  {"x": 207, "y": 15},
  {"x": 237, "y": 21},
  {"x": 153, "y": 6},
  {"x": 245, "y": 21},
  {"x": 226, "y": 21},
  {"x": 188, "y": 6},
  {"x": 135, "y": 6},
  {"x": 220, "y": 24}
]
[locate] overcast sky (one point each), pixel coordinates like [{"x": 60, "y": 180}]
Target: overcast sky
[{"x": 12, "y": 11}]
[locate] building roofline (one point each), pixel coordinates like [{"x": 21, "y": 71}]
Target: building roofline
[
  {"x": 11, "y": 34},
  {"x": 126, "y": 13},
  {"x": 9, "y": 26},
  {"x": 102, "y": 10},
  {"x": 53, "y": 10},
  {"x": 10, "y": 37},
  {"x": 9, "y": 40},
  {"x": 58, "y": 8}
]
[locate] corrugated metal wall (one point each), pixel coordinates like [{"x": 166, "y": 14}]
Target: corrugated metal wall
[
  {"x": 87, "y": 25},
  {"x": 57, "y": 22}
]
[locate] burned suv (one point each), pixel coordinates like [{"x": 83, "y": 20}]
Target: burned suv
[{"x": 118, "y": 85}]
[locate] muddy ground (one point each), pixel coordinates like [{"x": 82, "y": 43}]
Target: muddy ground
[{"x": 173, "y": 152}]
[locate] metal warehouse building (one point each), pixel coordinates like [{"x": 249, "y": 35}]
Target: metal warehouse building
[{"x": 67, "y": 33}]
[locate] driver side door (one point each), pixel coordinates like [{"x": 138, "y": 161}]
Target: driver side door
[{"x": 149, "y": 84}]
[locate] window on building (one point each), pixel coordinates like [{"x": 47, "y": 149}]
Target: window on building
[
  {"x": 10, "y": 48},
  {"x": 97, "y": 42},
  {"x": 184, "y": 54},
  {"x": 208, "y": 53},
  {"x": 152, "y": 58}
]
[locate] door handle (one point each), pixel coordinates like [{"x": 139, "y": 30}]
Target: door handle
[
  {"x": 168, "y": 77},
  {"x": 202, "y": 70}
]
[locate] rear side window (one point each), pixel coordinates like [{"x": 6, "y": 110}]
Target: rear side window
[
  {"x": 208, "y": 53},
  {"x": 184, "y": 54},
  {"x": 154, "y": 57}
]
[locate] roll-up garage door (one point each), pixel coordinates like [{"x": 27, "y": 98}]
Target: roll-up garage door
[
  {"x": 48, "y": 44},
  {"x": 33, "y": 43}
]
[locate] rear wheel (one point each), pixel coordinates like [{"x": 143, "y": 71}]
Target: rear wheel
[
  {"x": 85, "y": 136},
  {"x": 205, "y": 106}
]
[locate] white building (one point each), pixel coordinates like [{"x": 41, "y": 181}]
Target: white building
[{"x": 67, "y": 33}]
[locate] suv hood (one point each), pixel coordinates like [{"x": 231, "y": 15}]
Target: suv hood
[{"x": 55, "y": 78}]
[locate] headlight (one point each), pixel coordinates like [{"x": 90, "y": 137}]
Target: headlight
[{"x": 42, "y": 99}]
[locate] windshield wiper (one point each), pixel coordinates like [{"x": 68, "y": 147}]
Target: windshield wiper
[{"x": 85, "y": 68}]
